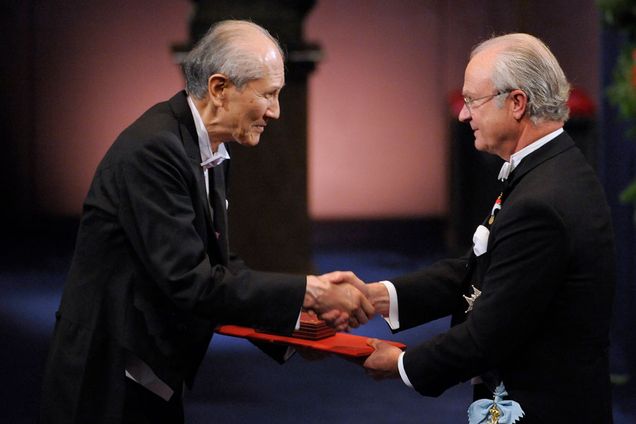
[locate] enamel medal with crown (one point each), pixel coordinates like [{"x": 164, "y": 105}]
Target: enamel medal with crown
[{"x": 496, "y": 207}]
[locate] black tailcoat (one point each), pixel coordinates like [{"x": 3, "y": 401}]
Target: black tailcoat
[
  {"x": 541, "y": 324},
  {"x": 150, "y": 275}
]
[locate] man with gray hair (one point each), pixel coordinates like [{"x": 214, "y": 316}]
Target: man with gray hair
[
  {"x": 152, "y": 275},
  {"x": 531, "y": 302}
]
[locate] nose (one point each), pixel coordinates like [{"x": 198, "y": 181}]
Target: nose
[
  {"x": 273, "y": 110},
  {"x": 464, "y": 114}
]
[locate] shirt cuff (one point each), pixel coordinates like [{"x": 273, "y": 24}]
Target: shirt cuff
[
  {"x": 139, "y": 372},
  {"x": 289, "y": 353},
  {"x": 297, "y": 326},
  {"x": 290, "y": 349},
  {"x": 394, "y": 318},
  {"x": 405, "y": 378}
]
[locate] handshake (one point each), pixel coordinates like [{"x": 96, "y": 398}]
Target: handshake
[
  {"x": 344, "y": 301},
  {"x": 341, "y": 299}
]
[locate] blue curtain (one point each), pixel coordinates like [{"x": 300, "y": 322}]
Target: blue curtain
[{"x": 617, "y": 167}]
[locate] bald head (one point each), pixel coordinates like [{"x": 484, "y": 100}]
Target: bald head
[
  {"x": 240, "y": 50},
  {"x": 521, "y": 61}
]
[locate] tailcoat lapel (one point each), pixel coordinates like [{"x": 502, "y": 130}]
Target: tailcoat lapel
[
  {"x": 560, "y": 144},
  {"x": 219, "y": 204},
  {"x": 477, "y": 266},
  {"x": 188, "y": 132}
]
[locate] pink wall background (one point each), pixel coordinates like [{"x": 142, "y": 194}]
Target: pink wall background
[
  {"x": 378, "y": 116},
  {"x": 99, "y": 65},
  {"x": 378, "y": 129},
  {"x": 377, "y": 113}
]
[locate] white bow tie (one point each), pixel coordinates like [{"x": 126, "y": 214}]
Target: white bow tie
[
  {"x": 505, "y": 171},
  {"x": 215, "y": 160}
]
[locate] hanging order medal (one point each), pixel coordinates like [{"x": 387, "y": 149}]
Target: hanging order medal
[{"x": 495, "y": 209}]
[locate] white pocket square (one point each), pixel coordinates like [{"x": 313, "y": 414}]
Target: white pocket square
[{"x": 480, "y": 240}]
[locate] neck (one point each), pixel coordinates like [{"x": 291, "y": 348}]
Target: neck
[
  {"x": 214, "y": 145},
  {"x": 532, "y": 132},
  {"x": 208, "y": 116}
]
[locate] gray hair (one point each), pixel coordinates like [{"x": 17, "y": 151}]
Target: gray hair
[
  {"x": 526, "y": 63},
  {"x": 223, "y": 50}
]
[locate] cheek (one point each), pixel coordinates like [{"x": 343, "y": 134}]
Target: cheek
[
  {"x": 258, "y": 108},
  {"x": 486, "y": 125}
]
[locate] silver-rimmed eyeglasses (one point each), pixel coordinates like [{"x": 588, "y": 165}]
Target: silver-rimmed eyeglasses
[{"x": 470, "y": 102}]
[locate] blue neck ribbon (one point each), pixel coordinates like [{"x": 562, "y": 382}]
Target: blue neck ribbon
[{"x": 495, "y": 411}]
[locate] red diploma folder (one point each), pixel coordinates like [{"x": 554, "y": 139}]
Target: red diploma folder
[{"x": 340, "y": 343}]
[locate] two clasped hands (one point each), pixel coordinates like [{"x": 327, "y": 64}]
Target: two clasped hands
[{"x": 344, "y": 301}]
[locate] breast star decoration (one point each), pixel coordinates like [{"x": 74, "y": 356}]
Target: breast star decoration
[{"x": 471, "y": 299}]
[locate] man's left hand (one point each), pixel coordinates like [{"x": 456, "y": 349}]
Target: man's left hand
[{"x": 383, "y": 362}]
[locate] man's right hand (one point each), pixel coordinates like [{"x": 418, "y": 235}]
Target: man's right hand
[
  {"x": 378, "y": 295},
  {"x": 337, "y": 304}
]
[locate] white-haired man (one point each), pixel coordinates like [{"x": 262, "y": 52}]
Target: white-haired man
[
  {"x": 532, "y": 302},
  {"x": 152, "y": 274}
]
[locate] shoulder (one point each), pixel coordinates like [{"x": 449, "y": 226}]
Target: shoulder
[
  {"x": 561, "y": 192},
  {"x": 155, "y": 134}
]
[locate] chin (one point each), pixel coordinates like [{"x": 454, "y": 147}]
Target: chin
[
  {"x": 249, "y": 141},
  {"x": 255, "y": 139},
  {"x": 482, "y": 146}
]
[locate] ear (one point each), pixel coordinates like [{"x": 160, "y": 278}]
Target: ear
[
  {"x": 217, "y": 88},
  {"x": 519, "y": 103}
]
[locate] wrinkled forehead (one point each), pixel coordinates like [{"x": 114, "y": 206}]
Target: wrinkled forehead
[
  {"x": 273, "y": 67},
  {"x": 266, "y": 52}
]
